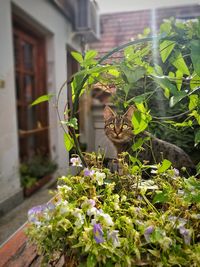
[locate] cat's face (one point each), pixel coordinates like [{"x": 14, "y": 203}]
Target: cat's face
[{"x": 118, "y": 128}]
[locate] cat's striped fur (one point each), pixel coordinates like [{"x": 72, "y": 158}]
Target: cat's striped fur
[{"x": 118, "y": 129}]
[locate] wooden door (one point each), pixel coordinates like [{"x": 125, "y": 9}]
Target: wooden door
[{"x": 29, "y": 52}]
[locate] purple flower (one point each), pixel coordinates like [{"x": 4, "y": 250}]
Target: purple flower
[
  {"x": 148, "y": 231},
  {"x": 98, "y": 233},
  {"x": 50, "y": 206},
  {"x": 35, "y": 213},
  {"x": 88, "y": 172},
  {"x": 186, "y": 234}
]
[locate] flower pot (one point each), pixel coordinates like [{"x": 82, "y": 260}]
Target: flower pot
[{"x": 40, "y": 183}]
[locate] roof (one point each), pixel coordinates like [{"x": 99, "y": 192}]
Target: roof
[{"x": 120, "y": 28}]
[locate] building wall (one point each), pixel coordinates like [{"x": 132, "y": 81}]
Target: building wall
[{"x": 58, "y": 33}]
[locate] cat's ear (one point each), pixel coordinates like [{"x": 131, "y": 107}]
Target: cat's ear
[
  {"x": 108, "y": 113},
  {"x": 129, "y": 112}
]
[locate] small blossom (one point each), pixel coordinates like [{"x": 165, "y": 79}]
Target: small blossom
[
  {"x": 176, "y": 172},
  {"x": 88, "y": 172},
  {"x": 76, "y": 162},
  {"x": 50, "y": 206},
  {"x": 107, "y": 219},
  {"x": 166, "y": 243},
  {"x": 179, "y": 221},
  {"x": 80, "y": 217},
  {"x": 180, "y": 192},
  {"x": 123, "y": 198},
  {"x": 113, "y": 235},
  {"x": 64, "y": 208},
  {"x": 93, "y": 222},
  {"x": 88, "y": 203},
  {"x": 92, "y": 211},
  {"x": 64, "y": 187},
  {"x": 186, "y": 234},
  {"x": 148, "y": 231},
  {"x": 35, "y": 213},
  {"x": 100, "y": 176},
  {"x": 98, "y": 233}
]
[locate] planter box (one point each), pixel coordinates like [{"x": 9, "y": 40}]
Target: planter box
[
  {"x": 29, "y": 191},
  {"x": 18, "y": 252}
]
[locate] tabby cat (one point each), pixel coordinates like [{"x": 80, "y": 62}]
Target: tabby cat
[{"x": 118, "y": 129}]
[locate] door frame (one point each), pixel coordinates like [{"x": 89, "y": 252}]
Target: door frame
[{"x": 32, "y": 35}]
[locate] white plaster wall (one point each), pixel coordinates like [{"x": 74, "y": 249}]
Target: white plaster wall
[
  {"x": 58, "y": 34},
  {"x": 9, "y": 177}
]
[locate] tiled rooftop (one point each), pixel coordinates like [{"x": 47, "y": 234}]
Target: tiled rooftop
[{"x": 119, "y": 28}]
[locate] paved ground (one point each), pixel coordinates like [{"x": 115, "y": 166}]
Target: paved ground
[{"x": 18, "y": 216}]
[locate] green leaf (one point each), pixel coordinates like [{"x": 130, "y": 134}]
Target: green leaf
[
  {"x": 180, "y": 64},
  {"x": 140, "y": 98},
  {"x": 166, "y": 27},
  {"x": 196, "y": 115},
  {"x": 91, "y": 260},
  {"x": 195, "y": 52},
  {"x": 166, "y": 164},
  {"x": 78, "y": 56},
  {"x": 194, "y": 100},
  {"x": 90, "y": 54},
  {"x": 137, "y": 144},
  {"x": 160, "y": 197},
  {"x": 179, "y": 81},
  {"x": 68, "y": 141},
  {"x": 89, "y": 58},
  {"x": 109, "y": 263},
  {"x": 133, "y": 75},
  {"x": 197, "y": 137},
  {"x": 140, "y": 121},
  {"x": 195, "y": 81},
  {"x": 129, "y": 53},
  {"x": 114, "y": 72},
  {"x": 166, "y": 48},
  {"x": 42, "y": 98},
  {"x": 158, "y": 70},
  {"x": 135, "y": 160},
  {"x": 165, "y": 83},
  {"x": 177, "y": 98}
]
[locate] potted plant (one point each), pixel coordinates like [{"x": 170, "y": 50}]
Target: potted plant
[
  {"x": 99, "y": 218},
  {"x": 35, "y": 173}
]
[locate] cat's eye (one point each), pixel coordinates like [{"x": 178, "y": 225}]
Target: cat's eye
[
  {"x": 111, "y": 125},
  {"x": 125, "y": 126}
]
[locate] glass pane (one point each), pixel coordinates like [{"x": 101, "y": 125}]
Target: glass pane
[
  {"x": 28, "y": 88},
  {"x": 28, "y": 56},
  {"x": 17, "y": 85}
]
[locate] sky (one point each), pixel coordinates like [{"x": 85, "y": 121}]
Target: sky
[{"x": 111, "y": 6}]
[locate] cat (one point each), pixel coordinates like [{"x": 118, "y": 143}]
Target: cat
[{"x": 119, "y": 129}]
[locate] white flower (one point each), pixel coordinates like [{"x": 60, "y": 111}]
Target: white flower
[
  {"x": 88, "y": 203},
  {"x": 64, "y": 187},
  {"x": 100, "y": 176},
  {"x": 76, "y": 162},
  {"x": 92, "y": 211},
  {"x": 113, "y": 235},
  {"x": 80, "y": 217},
  {"x": 107, "y": 219}
]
